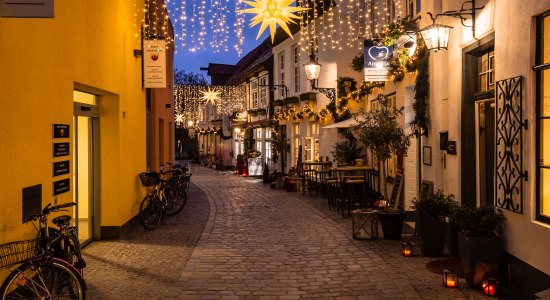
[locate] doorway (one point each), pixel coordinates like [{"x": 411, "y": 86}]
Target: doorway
[
  {"x": 485, "y": 148},
  {"x": 85, "y": 175}
]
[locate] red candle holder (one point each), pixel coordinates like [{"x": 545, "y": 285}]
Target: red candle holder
[{"x": 490, "y": 286}]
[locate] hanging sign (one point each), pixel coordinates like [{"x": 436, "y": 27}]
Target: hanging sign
[
  {"x": 154, "y": 63},
  {"x": 377, "y": 61}
]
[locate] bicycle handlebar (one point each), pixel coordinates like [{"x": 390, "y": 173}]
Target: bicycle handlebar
[{"x": 46, "y": 211}]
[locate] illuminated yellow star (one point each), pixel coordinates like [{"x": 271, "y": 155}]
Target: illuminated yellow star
[
  {"x": 210, "y": 95},
  {"x": 272, "y": 12}
]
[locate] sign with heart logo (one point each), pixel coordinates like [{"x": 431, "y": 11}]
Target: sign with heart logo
[
  {"x": 154, "y": 64},
  {"x": 378, "y": 53},
  {"x": 377, "y": 61}
]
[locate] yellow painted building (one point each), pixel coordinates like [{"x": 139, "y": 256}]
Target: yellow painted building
[{"x": 78, "y": 68}]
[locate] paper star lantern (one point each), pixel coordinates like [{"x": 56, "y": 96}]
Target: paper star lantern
[
  {"x": 179, "y": 119},
  {"x": 210, "y": 95},
  {"x": 272, "y": 12}
]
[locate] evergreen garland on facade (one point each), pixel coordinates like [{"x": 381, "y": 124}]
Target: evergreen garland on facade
[{"x": 422, "y": 89}]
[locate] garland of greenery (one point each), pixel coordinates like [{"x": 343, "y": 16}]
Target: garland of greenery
[
  {"x": 248, "y": 139},
  {"x": 339, "y": 112},
  {"x": 422, "y": 88}
]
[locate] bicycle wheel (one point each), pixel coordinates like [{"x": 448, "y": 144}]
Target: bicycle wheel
[
  {"x": 43, "y": 280},
  {"x": 176, "y": 200},
  {"x": 74, "y": 256},
  {"x": 150, "y": 212}
]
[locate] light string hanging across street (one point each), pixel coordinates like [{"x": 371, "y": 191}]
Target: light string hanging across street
[
  {"x": 218, "y": 25},
  {"x": 190, "y": 100}
]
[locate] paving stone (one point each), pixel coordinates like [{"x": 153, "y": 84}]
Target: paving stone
[{"x": 239, "y": 239}]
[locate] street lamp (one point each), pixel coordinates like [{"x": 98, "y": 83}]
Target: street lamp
[
  {"x": 313, "y": 68},
  {"x": 436, "y": 36}
]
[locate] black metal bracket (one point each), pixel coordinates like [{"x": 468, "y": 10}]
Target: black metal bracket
[
  {"x": 329, "y": 92},
  {"x": 463, "y": 14}
]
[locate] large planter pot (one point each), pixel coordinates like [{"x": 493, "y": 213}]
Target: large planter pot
[
  {"x": 480, "y": 257},
  {"x": 452, "y": 239},
  {"x": 432, "y": 236},
  {"x": 392, "y": 224}
]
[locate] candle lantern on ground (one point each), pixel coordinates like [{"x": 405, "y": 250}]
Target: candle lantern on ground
[
  {"x": 450, "y": 278},
  {"x": 490, "y": 286},
  {"x": 407, "y": 249}
]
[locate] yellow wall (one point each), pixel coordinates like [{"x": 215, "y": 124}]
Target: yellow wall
[{"x": 89, "y": 44}]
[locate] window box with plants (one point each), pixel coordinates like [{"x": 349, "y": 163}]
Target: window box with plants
[
  {"x": 432, "y": 210},
  {"x": 479, "y": 241}
]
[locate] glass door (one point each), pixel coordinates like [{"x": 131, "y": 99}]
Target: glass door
[
  {"x": 84, "y": 177},
  {"x": 485, "y": 144}
]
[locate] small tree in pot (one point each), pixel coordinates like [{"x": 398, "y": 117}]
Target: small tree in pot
[
  {"x": 479, "y": 241},
  {"x": 380, "y": 131},
  {"x": 432, "y": 210}
]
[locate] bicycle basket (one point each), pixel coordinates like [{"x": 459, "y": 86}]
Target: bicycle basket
[
  {"x": 16, "y": 252},
  {"x": 149, "y": 178}
]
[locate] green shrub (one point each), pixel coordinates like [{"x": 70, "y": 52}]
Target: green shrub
[
  {"x": 478, "y": 221},
  {"x": 434, "y": 205}
]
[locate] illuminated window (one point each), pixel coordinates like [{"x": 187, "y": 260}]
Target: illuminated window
[
  {"x": 487, "y": 71},
  {"x": 282, "y": 68},
  {"x": 254, "y": 92},
  {"x": 263, "y": 91},
  {"x": 543, "y": 117},
  {"x": 297, "y": 69}
]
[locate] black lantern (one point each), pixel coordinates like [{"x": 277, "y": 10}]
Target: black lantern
[
  {"x": 490, "y": 286},
  {"x": 450, "y": 278},
  {"x": 436, "y": 36},
  {"x": 407, "y": 249}
]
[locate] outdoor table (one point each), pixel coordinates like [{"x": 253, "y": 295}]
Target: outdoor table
[
  {"x": 347, "y": 177},
  {"x": 314, "y": 175}
]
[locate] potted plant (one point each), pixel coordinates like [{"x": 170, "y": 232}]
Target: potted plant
[
  {"x": 479, "y": 241},
  {"x": 432, "y": 210},
  {"x": 391, "y": 220}
]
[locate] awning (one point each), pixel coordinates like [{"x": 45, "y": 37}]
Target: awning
[{"x": 344, "y": 124}]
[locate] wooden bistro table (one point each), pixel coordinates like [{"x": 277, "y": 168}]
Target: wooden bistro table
[
  {"x": 348, "y": 178},
  {"x": 314, "y": 176}
]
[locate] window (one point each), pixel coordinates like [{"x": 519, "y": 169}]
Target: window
[
  {"x": 282, "y": 68},
  {"x": 257, "y": 133},
  {"x": 297, "y": 143},
  {"x": 487, "y": 71},
  {"x": 254, "y": 93},
  {"x": 296, "y": 69},
  {"x": 263, "y": 91},
  {"x": 543, "y": 118}
]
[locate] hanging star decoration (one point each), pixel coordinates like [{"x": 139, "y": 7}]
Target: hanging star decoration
[
  {"x": 272, "y": 12},
  {"x": 210, "y": 95},
  {"x": 179, "y": 119}
]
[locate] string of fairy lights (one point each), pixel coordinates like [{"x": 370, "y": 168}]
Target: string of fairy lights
[
  {"x": 191, "y": 100},
  {"x": 212, "y": 25}
]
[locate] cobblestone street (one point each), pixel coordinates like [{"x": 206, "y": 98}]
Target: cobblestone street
[{"x": 239, "y": 239}]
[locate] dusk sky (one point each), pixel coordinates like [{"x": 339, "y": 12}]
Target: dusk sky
[{"x": 193, "y": 61}]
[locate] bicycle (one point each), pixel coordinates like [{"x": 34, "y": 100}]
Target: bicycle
[
  {"x": 153, "y": 206},
  {"x": 40, "y": 274}
]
